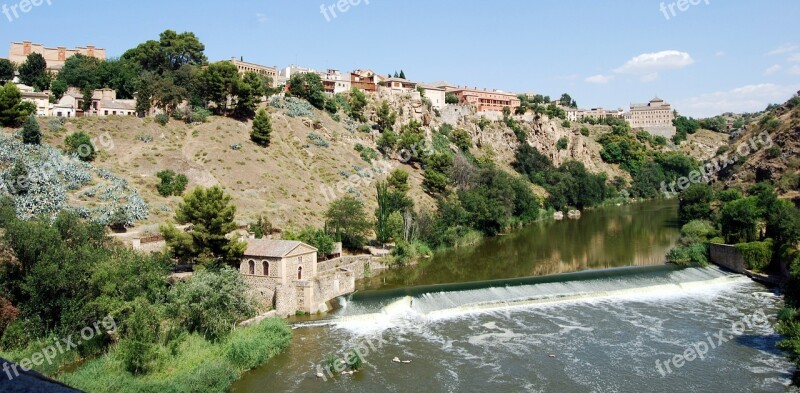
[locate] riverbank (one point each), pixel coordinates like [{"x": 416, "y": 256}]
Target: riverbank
[{"x": 193, "y": 365}]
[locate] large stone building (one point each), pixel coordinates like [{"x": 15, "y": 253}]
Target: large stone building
[
  {"x": 288, "y": 278},
  {"x": 55, "y": 57},
  {"x": 436, "y": 94},
  {"x": 485, "y": 100},
  {"x": 243, "y": 66},
  {"x": 655, "y": 117}
]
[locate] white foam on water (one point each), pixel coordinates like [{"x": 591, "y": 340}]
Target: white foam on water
[{"x": 442, "y": 306}]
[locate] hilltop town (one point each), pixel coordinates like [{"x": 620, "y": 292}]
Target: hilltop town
[{"x": 655, "y": 116}]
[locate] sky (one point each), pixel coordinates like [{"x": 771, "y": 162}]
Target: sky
[{"x": 705, "y": 58}]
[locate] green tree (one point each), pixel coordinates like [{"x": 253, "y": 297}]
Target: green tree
[
  {"x": 33, "y": 72},
  {"x": 317, "y": 238},
  {"x": 402, "y": 75},
  {"x": 695, "y": 203},
  {"x": 308, "y": 87},
  {"x": 81, "y": 71},
  {"x": 216, "y": 83},
  {"x": 249, "y": 90},
  {"x": 386, "y": 117},
  {"x": 562, "y": 143},
  {"x": 212, "y": 217},
  {"x": 346, "y": 219},
  {"x": 740, "y": 219},
  {"x": 450, "y": 98},
  {"x": 6, "y": 71},
  {"x": 13, "y": 111},
  {"x": 172, "y": 51},
  {"x": 262, "y": 128},
  {"x": 461, "y": 139},
  {"x": 31, "y": 133},
  {"x": 382, "y": 213},
  {"x": 211, "y": 303},
  {"x": 138, "y": 348},
  {"x": 358, "y": 101}
]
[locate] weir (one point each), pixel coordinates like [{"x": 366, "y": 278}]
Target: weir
[{"x": 384, "y": 309}]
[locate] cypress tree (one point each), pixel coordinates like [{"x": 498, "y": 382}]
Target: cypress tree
[
  {"x": 262, "y": 128},
  {"x": 31, "y": 133}
]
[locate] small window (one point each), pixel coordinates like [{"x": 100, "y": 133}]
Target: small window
[
  {"x": 300, "y": 273},
  {"x": 265, "y": 267},
  {"x": 252, "y": 268}
]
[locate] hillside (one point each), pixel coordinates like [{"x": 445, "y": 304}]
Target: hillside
[
  {"x": 312, "y": 158},
  {"x": 777, "y": 158}
]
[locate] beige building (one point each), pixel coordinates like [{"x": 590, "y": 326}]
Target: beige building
[
  {"x": 55, "y": 57},
  {"x": 335, "y": 82},
  {"x": 485, "y": 100},
  {"x": 41, "y": 100},
  {"x": 435, "y": 94},
  {"x": 243, "y": 66},
  {"x": 104, "y": 103},
  {"x": 288, "y": 278},
  {"x": 397, "y": 86},
  {"x": 655, "y": 117}
]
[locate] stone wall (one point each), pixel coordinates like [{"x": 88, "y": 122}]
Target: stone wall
[{"x": 728, "y": 257}]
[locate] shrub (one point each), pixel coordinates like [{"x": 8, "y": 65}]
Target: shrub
[
  {"x": 774, "y": 152},
  {"x": 31, "y": 133},
  {"x": 757, "y": 255},
  {"x": 585, "y": 131},
  {"x": 317, "y": 140},
  {"x": 80, "y": 145},
  {"x": 198, "y": 115},
  {"x": 562, "y": 143},
  {"x": 250, "y": 348},
  {"x": 171, "y": 183},
  {"x": 566, "y": 124},
  {"x": 689, "y": 255},
  {"x": 162, "y": 118},
  {"x": 144, "y": 138},
  {"x": 699, "y": 231},
  {"x": 461, "y": 139}
]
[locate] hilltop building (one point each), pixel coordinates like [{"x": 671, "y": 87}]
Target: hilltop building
[
  {"x": 243, "y": 66},
  {"x": 655, "y": 117},
  {"x": 484, "y": 100},
  {"x": 335, "y": 82},
  {"x": 55, "y": 57},
  {"x": 435, "y": 94}
]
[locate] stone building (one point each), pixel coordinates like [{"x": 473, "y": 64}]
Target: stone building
[
  {"x": 485, "y": 100},
  {"x": 436, "y": 94},
  {"x": 243, "y": 66},
  {"x": 104, "y": 103},
  {"x": 655, "y": 117},
  {"x": 41, "y": 100},
  {"x": 287, "y": 277},
  {"x": 55, "y": 57}
]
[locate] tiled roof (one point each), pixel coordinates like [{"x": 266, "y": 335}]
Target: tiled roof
[
  {"x": 118, "y": 104},
  {"x": 272, "y": 248}
]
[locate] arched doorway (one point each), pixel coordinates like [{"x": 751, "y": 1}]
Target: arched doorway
[{"x": 300, "y": 273}]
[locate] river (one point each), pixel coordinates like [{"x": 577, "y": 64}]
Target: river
[{"x": 572, "y": 306}]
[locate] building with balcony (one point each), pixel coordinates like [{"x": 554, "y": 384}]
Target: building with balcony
[{"x": 485, "y": 100}]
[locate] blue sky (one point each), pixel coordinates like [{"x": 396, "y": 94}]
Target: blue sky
[{"x": 715, "y": 56}]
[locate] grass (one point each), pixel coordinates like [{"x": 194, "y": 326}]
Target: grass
[{"x": 197, "y": 365}]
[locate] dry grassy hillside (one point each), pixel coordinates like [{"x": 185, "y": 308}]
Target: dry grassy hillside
[
  {"x": 293, "y": 181},
  {"x": 284, "y": 181},
  {"x": 779, "y": 163}
]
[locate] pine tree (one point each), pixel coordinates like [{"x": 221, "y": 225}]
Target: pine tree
[
  {"x": 31, "y": 133},
  {"x": 402, "y": 74},
  {"x": 262, "y": 128}
]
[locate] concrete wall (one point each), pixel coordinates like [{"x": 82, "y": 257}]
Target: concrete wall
[{"x": 728, "y": 257}]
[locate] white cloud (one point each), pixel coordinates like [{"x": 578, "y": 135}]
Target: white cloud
[
  {"x": 750, "y": 98},
  {"x": 649, "y": 77},
  {"x": 262, "y": 18},
  {"x": 600, "y": 79},
  {"x": 648, "y": 65},
  {"x": 783, "y": 49},
  {"x": 795, "y": 58},
  {"x": 720, "y": 54},
  {"x": 795, "y": 70},
  {"x": 773, "y": 69}
]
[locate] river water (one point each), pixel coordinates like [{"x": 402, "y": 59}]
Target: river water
[{"x": 509, "y": 315}]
